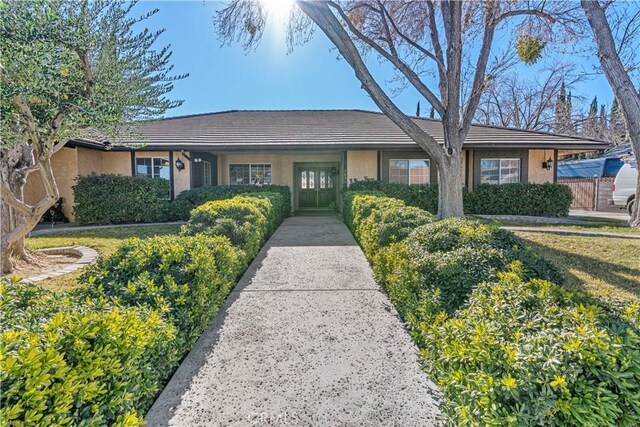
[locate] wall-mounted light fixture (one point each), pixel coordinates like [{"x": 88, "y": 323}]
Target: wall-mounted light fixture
[
  {"x": 548, "y": 164},
  {"x": 197, "y": 160},
  {"x": 179, "y": 164}
]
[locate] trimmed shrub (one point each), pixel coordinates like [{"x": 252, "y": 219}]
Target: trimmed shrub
[
  {"x": 506, "y": 348},
  {"x": 421, "y": 196},
  {"x": 185, "y": 278},
  {"x": 241, "y": 219},
  {"x": 83, "y": 362},
  {"x": 116, "y": 199},
  {"x": 186, "y": 201},
  {"x": 347, "y": 202},
  {"x": 532, "y": 353},
  {"x": 389, "y": 224},
  {"x": 547, "y": 199}
]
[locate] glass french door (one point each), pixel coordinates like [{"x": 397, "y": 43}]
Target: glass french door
[{"x": 316, "y": 187}]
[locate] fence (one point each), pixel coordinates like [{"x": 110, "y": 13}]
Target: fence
[{"x": 589, "y": 194}]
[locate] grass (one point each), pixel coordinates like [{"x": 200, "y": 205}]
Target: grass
[
  {"x": 608, "y": 225},
  {"x": 104, "y": 241},
  {"x": 604, "y": 266}
]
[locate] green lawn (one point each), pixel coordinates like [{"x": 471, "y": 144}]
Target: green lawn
[
  {"x": 598, "y": 224},
  {"x": 104, "y": 241},
  {"x": 604, "y": 266}
]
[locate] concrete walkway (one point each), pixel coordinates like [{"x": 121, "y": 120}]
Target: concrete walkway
[{"x": 306, "y": 338}]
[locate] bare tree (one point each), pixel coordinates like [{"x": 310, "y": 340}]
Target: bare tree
[
  {"x": 612, "y": 53},
  {"x": 530, "y": 103},
  {"x": 449, "y": 40}
]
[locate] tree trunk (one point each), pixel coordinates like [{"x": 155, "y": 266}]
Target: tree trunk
[
  {"x": 450, "y": 202},
  {"x": 18, "y": 219},
  {"x": 620, "y": 82},
  {"x": 634, "y": 221}
]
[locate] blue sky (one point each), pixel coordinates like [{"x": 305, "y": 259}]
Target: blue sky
[{"x": 228, "y": 78}]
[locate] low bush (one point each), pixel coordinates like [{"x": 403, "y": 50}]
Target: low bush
[
  {"x": 100, "y": 354},
  {"x": 116, "y": 199},
  {"x": 505, "y": 346},
  {"x": 389, "y": 223},
  {"x": 185, "y": 278},
  {"x": 532, "y": 353},
  {"x": 547, "y": 199},
  {"x": 421, "y": 196},
  {"x": 247, "y": 221},
  {"x": 186, "y": 201},
  {"x": 69, "y": 361}
]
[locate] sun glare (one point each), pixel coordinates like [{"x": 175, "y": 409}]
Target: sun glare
[{"x": 278, "y": 9}]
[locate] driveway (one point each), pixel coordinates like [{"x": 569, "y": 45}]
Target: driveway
[{"x": 306, "y": 338}]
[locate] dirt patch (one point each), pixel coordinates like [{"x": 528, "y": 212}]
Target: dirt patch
[{"x": 43, "y": 264}]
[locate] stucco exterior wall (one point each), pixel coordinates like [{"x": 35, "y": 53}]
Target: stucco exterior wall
[
  {"x": 89, "y": 161},
  {"x": 116, "y": 162},
  {"x": 65, "y": 170},
  {"x": 282, "y": 165},
  {"x": 537, "y": 174},
  {"x": 362, "y": 164},
  {"x": 181, "y": 179}
]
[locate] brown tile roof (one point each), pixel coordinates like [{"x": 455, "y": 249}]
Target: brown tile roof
[{"x": 322, "y": 129}]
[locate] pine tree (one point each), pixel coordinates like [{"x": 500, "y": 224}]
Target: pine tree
[
  {"x": 571, "y": 128},
  {"x": 418, "y": 110},
  {"x": 563, "y": 122},
  {"x": 618, "y": 131},
  {"x": 561, "y": 107},
  {"x": 590, "y": 127},
  {"x": 603, "y": 125},
  {"x": 432, "y": 113}
]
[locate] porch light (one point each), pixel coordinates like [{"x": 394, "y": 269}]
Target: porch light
[
  {"x": 179, "y": 164},
  {"x": 548, "y": 164}
]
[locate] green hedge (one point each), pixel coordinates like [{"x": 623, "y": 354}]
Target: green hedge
[
  {"x": 520, "y": 199},
  {"x": 116, "y": 199},
  {"x": 100, "y": 355},
  {"x": 547, "y": 199},
  {"x": 186, "y": 278},
  {"x": 240, "y": 219},
  {"x": 506, "y": 348},
  {"x": 69, "y": 361},
  {"x": 529, "y": 352},
  {"x": 188, "y": 200},
  {"x": 421, "y": 196}
]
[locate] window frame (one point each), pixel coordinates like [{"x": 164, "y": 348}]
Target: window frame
[
  {"x": 206, "y": 177},
  {"x": 250, "y": 168},
  {"x": 409, "y": 171},
  {"x": 153, "y": 159},
  {"x": 500, "y": 159}
]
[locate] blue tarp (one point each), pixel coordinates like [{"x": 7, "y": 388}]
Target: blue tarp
[{"x": 601, "y": 167}]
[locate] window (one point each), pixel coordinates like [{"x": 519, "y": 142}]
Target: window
[
  {"x": 153, "y": 167},
  {"x": 253, "y": 173},
  {"x": 499, "y": 171},
  {"x": 417, "y": 171},
  {"x": 206, "y": 169}
]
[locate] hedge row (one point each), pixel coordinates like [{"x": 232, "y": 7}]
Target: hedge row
[
  {"x": 188, "y": 200},
  {"x": 101, "y": 354},
  {"x": 116, "y": 199},
  {"x": 547, "y": 199},
  {"x": 506, "y": 345}
]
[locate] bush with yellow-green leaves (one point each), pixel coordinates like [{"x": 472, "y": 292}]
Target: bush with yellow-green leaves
[
  {"x": 505, "y": 341},
  {"x": 99, "y": 355}
]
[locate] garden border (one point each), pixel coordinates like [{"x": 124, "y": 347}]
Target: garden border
[{"x": 87, "y": 256}]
